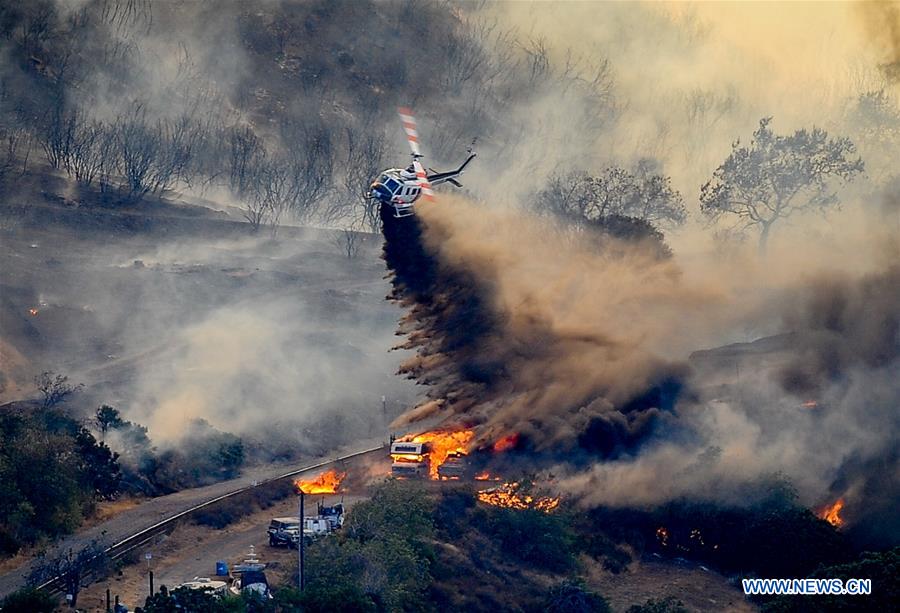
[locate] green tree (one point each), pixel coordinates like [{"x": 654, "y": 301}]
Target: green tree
[
  {"x": 99, "y": 465},
  {"x": 107, "y": 417},
  {"x": 776, "y": 177}
]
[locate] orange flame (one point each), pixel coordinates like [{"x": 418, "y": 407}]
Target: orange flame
[
  {"x": 662, "y": 535},
  {"x": 326, "y": 483},
  {"x": 810, "y": 404},
  {"x": 506, "y": 443},
  {"x": 486, "y": 476},
  {"x": 508, "y": 496},
  {"x": 443, "y": 443},
  {"x": 32, "y": 312},
  {"x": 832, "y": 513}
]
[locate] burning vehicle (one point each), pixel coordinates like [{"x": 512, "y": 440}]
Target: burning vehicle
[
  {"x": 438, "y": 454},
  {"x": 410, "y": 459}
]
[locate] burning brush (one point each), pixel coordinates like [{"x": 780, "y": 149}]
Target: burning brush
[
  {"x": 511, "y": 496},
  {"x": 328, "y": 482},
  {"x": 832, "y": 513}
]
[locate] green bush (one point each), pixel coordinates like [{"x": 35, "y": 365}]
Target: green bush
[
  {"x": 544, "y": 540},
  {"x": 28, "y": 600},
  {"x": 883, "y": 568},
  {"x": 572, "y": 596},
  {"x": 669, "y": 604}
]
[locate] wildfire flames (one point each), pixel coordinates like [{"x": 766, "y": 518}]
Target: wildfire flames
[
  {"x": 486, "y": 476},
  {"x": 32, "y": 312},
  {"x": 326, "y": 483},
  {"x": 508, "y": 495},
  {"x": 506, "y": 443},
  {"x": 832, "y": 513},
  {"x": 810, "y": 404},
  {"x": 443, "y": 444}
]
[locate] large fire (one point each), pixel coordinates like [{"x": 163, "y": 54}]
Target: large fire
[
  {"x": 506, "y": 443},
  {"x": 509, "y": 496},
  {"x": 832, "y": 513},
  {"x": 443, "y": 444},
  {"x": 326, "y": 483}
]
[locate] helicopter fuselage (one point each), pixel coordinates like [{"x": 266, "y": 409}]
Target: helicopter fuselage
[{"x": 398, "y": 188}]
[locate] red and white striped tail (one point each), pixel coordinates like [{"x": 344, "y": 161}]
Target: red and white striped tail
[{"x": 409, "y": 126}]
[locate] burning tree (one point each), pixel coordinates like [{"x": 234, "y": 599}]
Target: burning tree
[
  {"x": 329, "y": 482},
  {"x": 775, "y": 177}
]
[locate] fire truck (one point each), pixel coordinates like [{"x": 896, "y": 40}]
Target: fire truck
[{"x": 410, "y": 460}]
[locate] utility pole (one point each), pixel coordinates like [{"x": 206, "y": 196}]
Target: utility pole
[
  {"x": 384, "y": 410},
  {"x": 301, "y": 544}
]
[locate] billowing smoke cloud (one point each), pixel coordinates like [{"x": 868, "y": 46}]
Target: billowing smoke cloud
[{"x": 585, "y": 353}]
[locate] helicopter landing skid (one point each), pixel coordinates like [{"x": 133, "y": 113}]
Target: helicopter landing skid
[{"x": 400, "y": 213}]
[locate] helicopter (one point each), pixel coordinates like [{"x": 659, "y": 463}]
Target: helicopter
[{"x": 402, "y": 187}]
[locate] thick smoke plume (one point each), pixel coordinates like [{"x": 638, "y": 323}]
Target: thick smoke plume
[{"x": 585, "y": 352}]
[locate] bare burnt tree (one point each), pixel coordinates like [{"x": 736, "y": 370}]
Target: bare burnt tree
[
  {"x": 138, "y": 146},
  {"x": 365, "y": 149},
  {"x": 245, "y": 151},
  {"x": 349, "y": 240},
  {"x": 54, "y": 389},
  {"x": 537, "y": 52},
  {"x": 56, "y": 136},
  {"x": 154, "y": 156},
  {"x": 272, "y": 194},
  {"x": 16, "y": 148},
  {"x": 641, "y": 193},
  {"x": 311, "y": 165},
  {"x": 72, "y": 568},
  {"x": 178, "y": 140},
  {"x": 90, "y": 145},
  {"x": 775, "y": 177}
]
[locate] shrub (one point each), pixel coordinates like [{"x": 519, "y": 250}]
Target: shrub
[
  {"x": 669, "y": 604},
  {"x": 572, "y": 596},
  {"x": 28, "y": 600},
  {"x": 542, "y": 539}
]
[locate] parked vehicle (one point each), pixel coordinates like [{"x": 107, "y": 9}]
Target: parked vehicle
[
  {"x": 454, "y": 467},
  {"x": 284, "y": 531}
]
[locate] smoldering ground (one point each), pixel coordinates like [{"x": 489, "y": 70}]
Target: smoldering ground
[{"x": 584, "y": 353}]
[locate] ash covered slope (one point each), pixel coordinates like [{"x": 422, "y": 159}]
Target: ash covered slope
[{"x": 583, "y": 354}]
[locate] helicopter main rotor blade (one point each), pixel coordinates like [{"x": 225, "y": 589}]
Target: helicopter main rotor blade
[
  {"x": 422, "y": 180},
  {"x": 409, "y": 126}
]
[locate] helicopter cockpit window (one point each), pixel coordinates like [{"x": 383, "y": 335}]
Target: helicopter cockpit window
[{"x": 392, "y": 185}]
